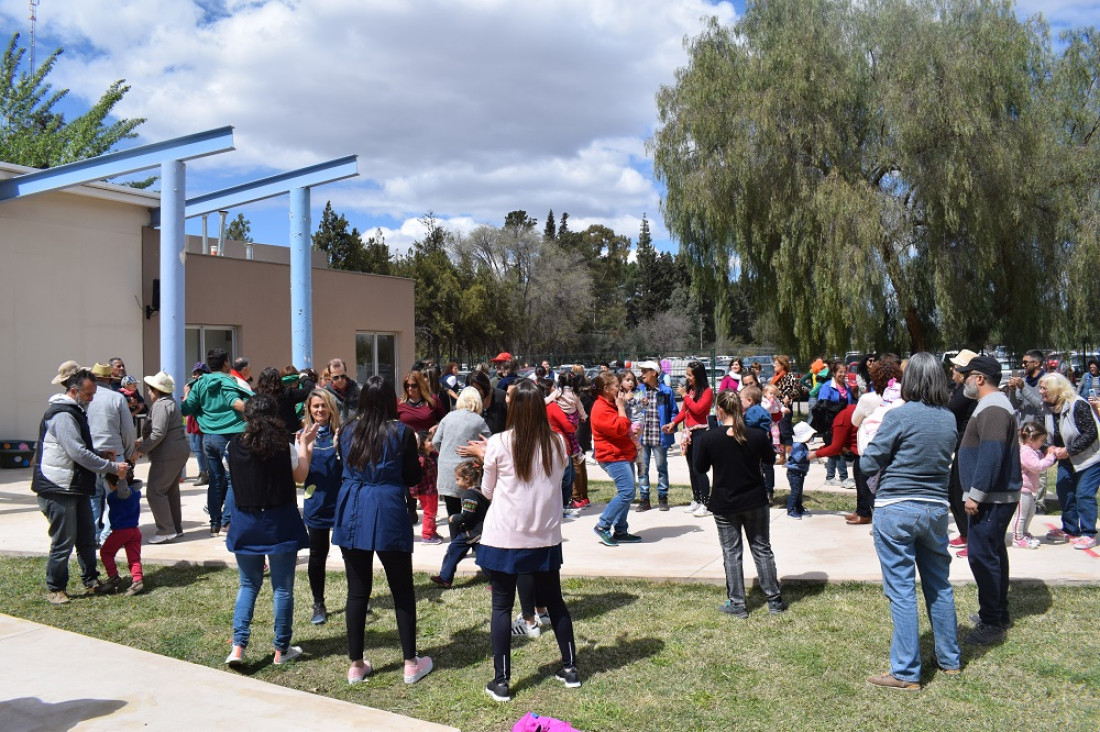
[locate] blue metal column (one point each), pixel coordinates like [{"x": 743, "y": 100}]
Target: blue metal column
[
  {"x": 173, "y": 316},
  {"x": 301, "y": 280}
]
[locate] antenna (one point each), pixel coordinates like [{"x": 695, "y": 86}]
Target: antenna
[{"x": 34, "y": 19}]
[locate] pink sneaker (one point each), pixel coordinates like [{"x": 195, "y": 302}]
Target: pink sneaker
[
  {"x": 1026, "y": 542},
  {"x": 1084, "y": 542},
  {"x": 423, "y": 668},
  {"x": 957, "y": 541},
  {"x": 961, "y": 555}
]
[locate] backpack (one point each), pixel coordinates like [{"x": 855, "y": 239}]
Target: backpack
[{"x": 822, "y": 416}]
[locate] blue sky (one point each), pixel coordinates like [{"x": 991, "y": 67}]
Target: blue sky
[{"x": 468, "y": 108}]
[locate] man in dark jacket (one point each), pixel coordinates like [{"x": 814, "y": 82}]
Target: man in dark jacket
[
  {"x": 64, "y": 477},
  {"x": 344, "y": 388}
]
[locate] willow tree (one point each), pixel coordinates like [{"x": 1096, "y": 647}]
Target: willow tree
[{"x": 880, "y": 173}]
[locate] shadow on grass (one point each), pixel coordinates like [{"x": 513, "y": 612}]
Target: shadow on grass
[
  {"x": 1023, "y": 600},
  {"x": 183, "y": 574}
]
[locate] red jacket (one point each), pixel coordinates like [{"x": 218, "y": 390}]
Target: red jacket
[
  {"x": 696, "y": 412},
  {"x": 844, "y": 435},
  {"x": 559, "y": 422},
  {"x": 611, "y": 433}
]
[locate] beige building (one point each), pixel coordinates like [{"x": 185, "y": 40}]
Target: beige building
[{"x": 78, "y": 269}]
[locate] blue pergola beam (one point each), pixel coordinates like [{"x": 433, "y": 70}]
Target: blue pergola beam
[
  {"x": 188, "y": 147},
  {"x": 276, "y": 185}
]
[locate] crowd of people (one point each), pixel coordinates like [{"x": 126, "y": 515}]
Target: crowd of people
[{"x": 508, "y": 455}]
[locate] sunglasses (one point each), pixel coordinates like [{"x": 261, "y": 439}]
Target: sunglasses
[
  {"x": 340, "y": 377},
  {"x": 412, "y": 386}
]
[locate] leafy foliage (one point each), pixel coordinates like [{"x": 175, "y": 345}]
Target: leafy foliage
[
  {"x": 32, "y": 133},
  {"x": 239, "y": 229}
]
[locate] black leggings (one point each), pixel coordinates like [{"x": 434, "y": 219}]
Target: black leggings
[
  {"x": 547, "y": 591},
  {"x": 359, "y": 565},
  {"x": 318, "y": 555},
  {"x": 454, "y": 505},
  {"x": 700, "y": 484}
]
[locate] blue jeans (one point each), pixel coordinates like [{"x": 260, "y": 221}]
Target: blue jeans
[
  {"x": 836, "y": 465},
  {"x": 71, "y": 525},
  {"x": 794, "y": 501},
  {"x": 251, "y": 568},
  {"x": 1077, "y": 494},
  {"x": 567, "y": 483},
  {"x": 100, "y": 517},
  {"x": 200, "y": 454},
  {"x": 456, "y": 552},
  {"x": 614, "y": 516},
  {"x": 988, "y": 558},
  {"x": 911, "y": 536},
  {"x": 659, "y": 453},
  {"x": 214, "y": 447}
]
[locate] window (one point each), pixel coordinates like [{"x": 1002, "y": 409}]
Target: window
[
  {"x": 375, "y": 353},
  {"x": 201, "y": 338}
]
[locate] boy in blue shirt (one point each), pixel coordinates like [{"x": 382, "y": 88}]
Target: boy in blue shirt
[
  {"x": 124, "y": 510},
  {"x": 798, "y": 464}
]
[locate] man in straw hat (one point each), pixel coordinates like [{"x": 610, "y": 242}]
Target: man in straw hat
[
  {"x": 113, "y": 435},
  {"x": 64, "y": 477}
]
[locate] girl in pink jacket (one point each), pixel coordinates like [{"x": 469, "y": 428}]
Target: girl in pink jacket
[{"x": 1033, "y": 461}]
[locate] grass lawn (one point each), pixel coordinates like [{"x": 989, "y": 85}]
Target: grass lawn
[{"x": 653, "y": 655}]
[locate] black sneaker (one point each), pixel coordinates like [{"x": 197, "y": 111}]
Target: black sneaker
[
  {"x": 662, "y": 504},
  {"x": 985, "y": 635},
  {"x": 775, "y": 607},
  {"x": 568, "y": 675},
  {"x": 499, "y": 691},
  {"x": 626, "y": 538},
  {"x": 320, "y": 614},
  {"x": 737, "y": 611}
]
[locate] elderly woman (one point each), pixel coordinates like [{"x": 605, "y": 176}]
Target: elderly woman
[
  {"x": 913, "y": 448},
  {"x": 165, "y": 443},
  {"x": 457, "y": 429},
  {"x": 1073, "y": 431}
]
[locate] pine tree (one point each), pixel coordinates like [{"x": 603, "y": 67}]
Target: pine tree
[
  {"x": 239, "y": 229},
  {"x": 345, "y": 250},
  {"x": 550, "y": 232}
]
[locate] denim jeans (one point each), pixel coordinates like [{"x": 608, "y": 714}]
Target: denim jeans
[
  {"x": 659, "y": 453},
  {"x": 911, "y": 536},
  {"x": 200, "y": 454},
  {"x": 794, "y": 501},
  {"x": 456, "y": 552},
  {"x": 1077, "y": 494},
  {"x": 614, "y": 516},
  {"x": 756, "y": 525},
  {"x": 70, "y": 519},
  {"x": 99, "y": 509},
  {"x": 836, "y": 465},
  {"x": 251, "y": 568},
  {"x": 567, "y": 483},
  {"x": 214, "y": 447},
  {"x": 988, "y": 557}
]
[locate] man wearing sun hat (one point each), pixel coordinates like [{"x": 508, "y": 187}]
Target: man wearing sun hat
[
  {"x": 659, "y": 409},
  {"x": 113, "y": 434},
  {"x": 64, "y": 477}
]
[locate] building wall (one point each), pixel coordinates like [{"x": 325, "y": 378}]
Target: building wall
[
  {"x": 70, "y": 285},
  {"x": 254, "y": 296}
]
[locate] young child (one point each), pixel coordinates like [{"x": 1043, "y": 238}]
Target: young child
[
  {"x": 1033, "y": 461},
  {"x": 772, "y": 402},
  {"x": 797, "y": 466},
  {"x": 757, "y": 416},
  {"x": 123, "y": 510},
  {"x": 425, "y": 491},
  {"x": 465, "y": 526}
]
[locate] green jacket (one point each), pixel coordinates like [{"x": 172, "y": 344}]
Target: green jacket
[{"x": 210, "y": 401}]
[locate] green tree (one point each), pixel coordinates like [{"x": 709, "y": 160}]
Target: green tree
[
  {"x": 239, "y": 229},
  {"x": 900, "y": 156},
  {"x": 377, "y": 258},
  {"x": 33, "y": 134},
  {"x": 551, "y": 231},
  {"x": 344, "y": 249}
]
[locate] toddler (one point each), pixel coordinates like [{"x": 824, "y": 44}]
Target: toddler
[
  {"x": 773, "y": 404},
  {"x": 123, "y": 510},
  {"x": 757, "y": 416},
  {"x": 425, "y": 491},
  {"x": 465, "y": 526},
  {"x": 797, "y": 466},
  {"x": 1033, "y": 462}
]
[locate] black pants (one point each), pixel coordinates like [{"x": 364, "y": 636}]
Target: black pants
[
  {"x": 547, "y": 591},
  {"x": 454, "y": 505},
  {"x": 359, "y": 565},
  {"x": 988, "y": 557},
  {"x": 865, "y": 499},
  {"x": 318, "y": 555},
  {"x": 700, "y": 483},
  {"x": 955, "y": 500}
]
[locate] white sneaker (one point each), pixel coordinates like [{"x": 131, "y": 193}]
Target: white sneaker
[
  {"x": 692, "y": 507},
  {"x": 289, "y": 654},
  {"x": 833, "y": 482},
  {"x": 848, "y": 483},
  {"x": 702, "y": 511},
  {"x": 520, "y": 627},
  {"x": 162, "y": 538}
]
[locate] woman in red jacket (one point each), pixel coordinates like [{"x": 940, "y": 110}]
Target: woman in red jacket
[
  {"x": 698, "y": 399},
  {"x": 615, "y": 453}
]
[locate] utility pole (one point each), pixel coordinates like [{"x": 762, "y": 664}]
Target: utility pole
[{"x": 34, "y": 19}]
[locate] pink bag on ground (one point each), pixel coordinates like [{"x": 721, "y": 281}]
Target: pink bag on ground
[{"x": 532, "y": 722}]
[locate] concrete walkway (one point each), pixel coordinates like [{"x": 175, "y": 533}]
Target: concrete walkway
[{"x": 676, "y": 546}]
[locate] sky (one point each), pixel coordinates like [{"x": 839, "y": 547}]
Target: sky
[{"x": 466, "y": 108}]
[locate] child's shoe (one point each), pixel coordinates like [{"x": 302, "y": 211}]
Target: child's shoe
[
  {"x": 795, "y": 515},
  {"x": 1027, "y": 541},
  {"x": 431, "y": 540},
  {"x": 135, "y": 588},
  {"x": 113, "y": 584}
]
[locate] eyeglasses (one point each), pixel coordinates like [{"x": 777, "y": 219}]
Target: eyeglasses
[{"x": 412, "y": 386}]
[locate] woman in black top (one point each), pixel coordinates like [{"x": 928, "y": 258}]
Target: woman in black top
[
  {"x": 288, "y": 399},
  {"x": 739, "y": 500}
]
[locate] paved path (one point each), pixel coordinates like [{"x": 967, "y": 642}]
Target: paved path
[{"x": 47, "y": 693}]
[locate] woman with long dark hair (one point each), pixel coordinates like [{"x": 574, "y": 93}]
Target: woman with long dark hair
[
  {"x": 288, "y": 398},
  {"x": 698, "y": 399},
  {"x": 380, "y": 462},
  {"x": 266, "y": 524},
  {"x": 522, "y": 530}
]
